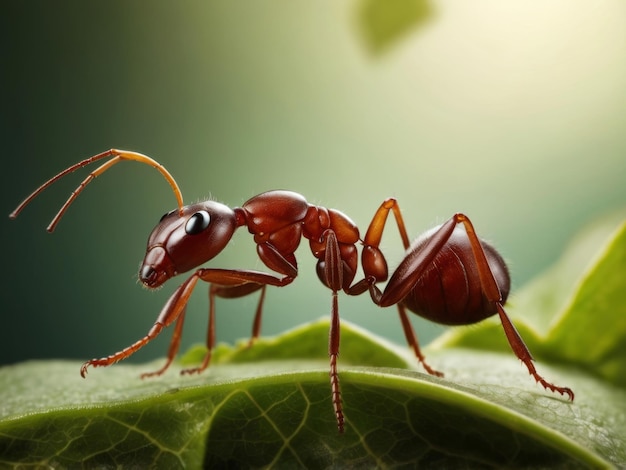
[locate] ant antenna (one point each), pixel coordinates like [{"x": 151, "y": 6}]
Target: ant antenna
[{"x": 118, "y": 156}]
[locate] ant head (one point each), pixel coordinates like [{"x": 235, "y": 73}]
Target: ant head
[{"x": 183, "y": 240}]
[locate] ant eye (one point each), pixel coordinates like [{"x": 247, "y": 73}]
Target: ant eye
[
  {"x": 197, "y": 222},
  {"x": 166, "y": 214}
]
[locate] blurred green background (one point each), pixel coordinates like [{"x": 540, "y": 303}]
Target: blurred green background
[{"x": 513, "y": 112}]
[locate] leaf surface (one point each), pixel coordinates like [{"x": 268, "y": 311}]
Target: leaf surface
[{"x": 487, "y": 412}]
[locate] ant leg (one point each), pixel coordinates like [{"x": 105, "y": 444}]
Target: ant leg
[
  {"x": 234, "y": 283},
  {"x": 375, "y": 268},
  {"x": 173, "y": 349},
  {"x": 172, "y": 310},
  {"x": 333, "y": 352},
  {"x": 370, "y": 282},
  {"x": 377, "y": 225},
  {"x": 372, "y": 259},
  {"x": 415, "y": 263},
  {"x": 412, "y": 340},
  {"x": 238, "y": 277},
  {"x": 229, "y": 284},
  {"x": 492, "y": 292},
  {"x": 210, "y": 340},
  {"x": 176, "y": 304},
  {"x": 124, "y": 353},
  {"x": 521, "y": 351},
  {"x": 333, "y": 272},
  {"x": 227, "y": 292},
  {"x": 232, "y": 292},
  {"x": 256, "y": 324}
]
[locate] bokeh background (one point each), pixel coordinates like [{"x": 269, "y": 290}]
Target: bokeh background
[{"x": 513, "y": 112}]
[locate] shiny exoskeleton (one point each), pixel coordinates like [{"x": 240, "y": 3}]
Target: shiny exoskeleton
[{"x": 447, "y": 275}]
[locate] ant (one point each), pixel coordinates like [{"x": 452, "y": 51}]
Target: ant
[{"x": 448, "y": 275}]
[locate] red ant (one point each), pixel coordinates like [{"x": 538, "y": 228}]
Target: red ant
[{"x": 448, "y": 275}]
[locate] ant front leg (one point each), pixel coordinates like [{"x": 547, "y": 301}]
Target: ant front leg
[{"x": 174, "y": 310}]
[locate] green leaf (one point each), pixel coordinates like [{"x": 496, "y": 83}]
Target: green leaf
[
  {"x": 568, "y": 317},
  {"x": 309, "y": 341},
  {"x": 487, "y": 413},
  {"x": 269, "y": 405}
]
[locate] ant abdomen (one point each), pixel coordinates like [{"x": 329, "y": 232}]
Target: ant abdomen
[{"x": 449, "y": 291}]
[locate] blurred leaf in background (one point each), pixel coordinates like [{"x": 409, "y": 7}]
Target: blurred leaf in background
[{"x": 383, "y": 23}]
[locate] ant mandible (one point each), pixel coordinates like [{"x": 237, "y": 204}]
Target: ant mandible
[{"x": 448, "y": 275}]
